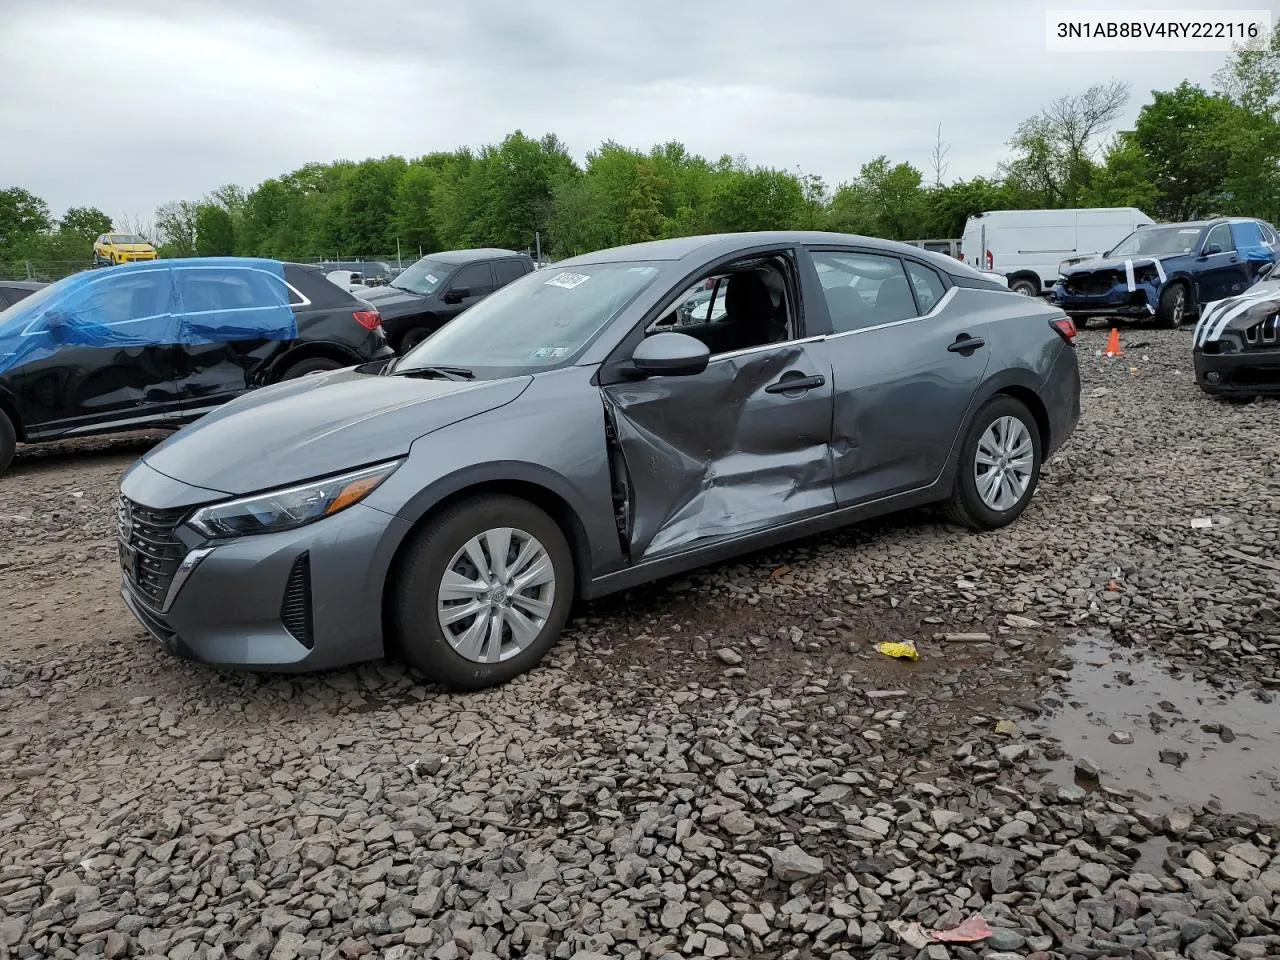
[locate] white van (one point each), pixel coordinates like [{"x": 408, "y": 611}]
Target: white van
[{"x": 1027, "y": 246}]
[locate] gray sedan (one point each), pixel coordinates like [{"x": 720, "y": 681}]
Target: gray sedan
[{"x": 567, "y": 437}]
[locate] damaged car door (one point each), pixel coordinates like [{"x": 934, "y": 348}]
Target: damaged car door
[
  {"x": 94, "y": 353},
  {"x": 907, "y": 364},
  {"x": 735, "y": 446}
]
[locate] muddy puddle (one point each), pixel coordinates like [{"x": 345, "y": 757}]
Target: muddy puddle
[{"x": 1167, "y": 737}]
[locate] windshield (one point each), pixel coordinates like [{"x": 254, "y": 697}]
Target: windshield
[
  {"x": 125, "y": 238},
  {"x": 424, "y": 277},
  {"x": 541, "y": 321},
  {"x": 1157, "y": 242}
]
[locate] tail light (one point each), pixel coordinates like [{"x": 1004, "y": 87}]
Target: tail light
[
  {"x": 369, "y": 319},
  {"x": 1065, "y": 328},
  {"x": 991, "y": 261}
]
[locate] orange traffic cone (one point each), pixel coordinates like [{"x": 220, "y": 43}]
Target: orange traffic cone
[{"x": 1113, "y": 344}]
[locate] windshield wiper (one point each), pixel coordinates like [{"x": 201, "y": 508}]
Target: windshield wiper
[{"x": 448, "y": 373}]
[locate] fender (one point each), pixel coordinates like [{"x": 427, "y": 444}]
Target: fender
[{"x": 589, "y": 552}]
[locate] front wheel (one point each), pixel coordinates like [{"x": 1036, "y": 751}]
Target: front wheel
[
  {"x": 1172, "y": 309},
  {"x": 484, "y": 592},
  {"x": 1025, "y": 287},
  {"x": 999, "y": 466}
]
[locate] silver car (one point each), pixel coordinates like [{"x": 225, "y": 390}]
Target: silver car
[{"x": 566, "y": 438}]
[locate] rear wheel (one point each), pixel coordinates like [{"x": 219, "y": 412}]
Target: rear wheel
[
  {"x": 8, "y": 441},
  {"x": 413, "y": 337},
  {"x": 310, "y": 365},
  {"x": 484, "y": 592},
  {"x": 1024, "y": 286},
  {"x": 1173, "y": 306},
  {"x": 999, "y": 466}
]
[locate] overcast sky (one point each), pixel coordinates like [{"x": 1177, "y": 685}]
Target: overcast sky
[{"x": 125, "y": 105}]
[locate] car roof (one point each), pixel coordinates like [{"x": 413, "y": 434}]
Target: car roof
[
  {"x": 467, "y": 256},
  {"x": 711, "y": 246}
]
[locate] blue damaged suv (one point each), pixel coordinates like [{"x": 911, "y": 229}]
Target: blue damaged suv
[{"x": 1168, "y": 271}]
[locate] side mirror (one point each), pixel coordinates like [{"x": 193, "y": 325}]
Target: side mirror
[
  {"x": 670, "y": 355},
  {"x": 457, "y": 294},
  {"x": 1211, "y": 249},
  {"x": 1268, "y": 269}
]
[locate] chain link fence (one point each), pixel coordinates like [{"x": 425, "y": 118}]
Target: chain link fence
[{"x": 46, "y": 270}]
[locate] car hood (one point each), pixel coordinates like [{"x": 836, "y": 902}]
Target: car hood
[
  {"x": 317, "y": 425},
  {"x": 1115, "y": 263}
]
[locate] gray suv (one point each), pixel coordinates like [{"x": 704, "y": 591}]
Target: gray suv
[{"x": 568, "y": 437}]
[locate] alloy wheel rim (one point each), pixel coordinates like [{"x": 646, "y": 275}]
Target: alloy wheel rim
[
  {"x": 1003, "y": 463},
  {"x": 1179, "y": 305},
  {"x": 496, "y": 595}
]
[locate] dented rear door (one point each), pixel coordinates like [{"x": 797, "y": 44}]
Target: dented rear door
[{"x": 740, "y": 447}]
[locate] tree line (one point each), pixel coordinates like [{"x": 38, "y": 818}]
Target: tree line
[{"x": 1192, "y": 152}]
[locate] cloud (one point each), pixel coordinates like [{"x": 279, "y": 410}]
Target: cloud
[{"x": 127, "y": 105}]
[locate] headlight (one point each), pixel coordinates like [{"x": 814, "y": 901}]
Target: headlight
[{"x": 291, "y": 507}]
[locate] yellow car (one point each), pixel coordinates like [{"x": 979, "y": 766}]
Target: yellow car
[{"x": 111, "y": 248}]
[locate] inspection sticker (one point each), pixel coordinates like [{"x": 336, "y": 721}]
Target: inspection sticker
[
  {"x": 549, "y": 353},
  {"x": 568, "y": 280},
  {"x": 431, "y": 279}
]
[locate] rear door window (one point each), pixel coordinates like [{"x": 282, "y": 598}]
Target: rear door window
[
  {"x": 504, "y": 271},
  {"x": 863, "y": 289},
  {"x": 927, "y": 285},
  {"x": 1246, "y": 234}
]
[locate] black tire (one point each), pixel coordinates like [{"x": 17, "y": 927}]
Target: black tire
[
  {"x": 412, "y": 337},
  {"x": 8, "y": 442},
  {"x": 966, "y": 506},
  {"x": 1172, "y": 309},
  {"x": 311, "y": 365},
  {"x": 1025, "y": 286},
  {"x": 1080, "y": 322},
  {"x": 415, "y": 593},
  {"x": 1237, "y": 399}
]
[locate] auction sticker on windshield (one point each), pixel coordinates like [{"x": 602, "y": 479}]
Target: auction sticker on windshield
[
  {"x": 567, "y": 280},
  {"x": 549, "y": 353},
  {"x": 431, "y": 279}
]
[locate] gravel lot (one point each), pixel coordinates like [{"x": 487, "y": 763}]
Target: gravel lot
[{"x": 717, "y": 766}]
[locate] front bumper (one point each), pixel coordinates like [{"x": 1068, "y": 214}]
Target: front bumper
[
  {"x": 304, "y": 599},
  {"x": 1245, "y": 373},
  {"x": 1119, "y": 301}
]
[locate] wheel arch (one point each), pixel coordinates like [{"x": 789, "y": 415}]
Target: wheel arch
[
  {"x": 528, "y": 482},
  {"x": 310, "y": 350},
  {"x": 1022, "y": 386}
]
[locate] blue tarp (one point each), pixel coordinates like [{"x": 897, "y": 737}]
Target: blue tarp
[{"x": 188, "y": 302}]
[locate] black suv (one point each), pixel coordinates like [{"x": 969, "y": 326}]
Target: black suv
[
  {"x": 431, "y": 292},
  {"x": 159, "y": 344}
]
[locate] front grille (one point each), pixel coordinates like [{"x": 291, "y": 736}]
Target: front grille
[
  {"x": 1265, "y": 333},
  {"x": 295, "y": 611},
  {"x": 1092, "y": 284},
  {"x": 150, "y": 553}
]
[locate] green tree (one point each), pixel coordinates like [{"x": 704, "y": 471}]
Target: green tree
[
  {"x": 1124, "y": 179},
  {"x": 176, "y": 223},
  {"x": 215, "y": 231},
  {"x": 1054, "y": 152},
  {"x": 1185, "y": 134},
  {"x": 22, "y": 214},
  {"x": 882, "y": 201},
  {"x": 758, "y": 198},
  {"x": 86, "y": 222}
]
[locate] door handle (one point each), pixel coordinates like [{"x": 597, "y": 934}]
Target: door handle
[
  {"x": 795, "y": 383},
  {"x": 966, "y": 344}
]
